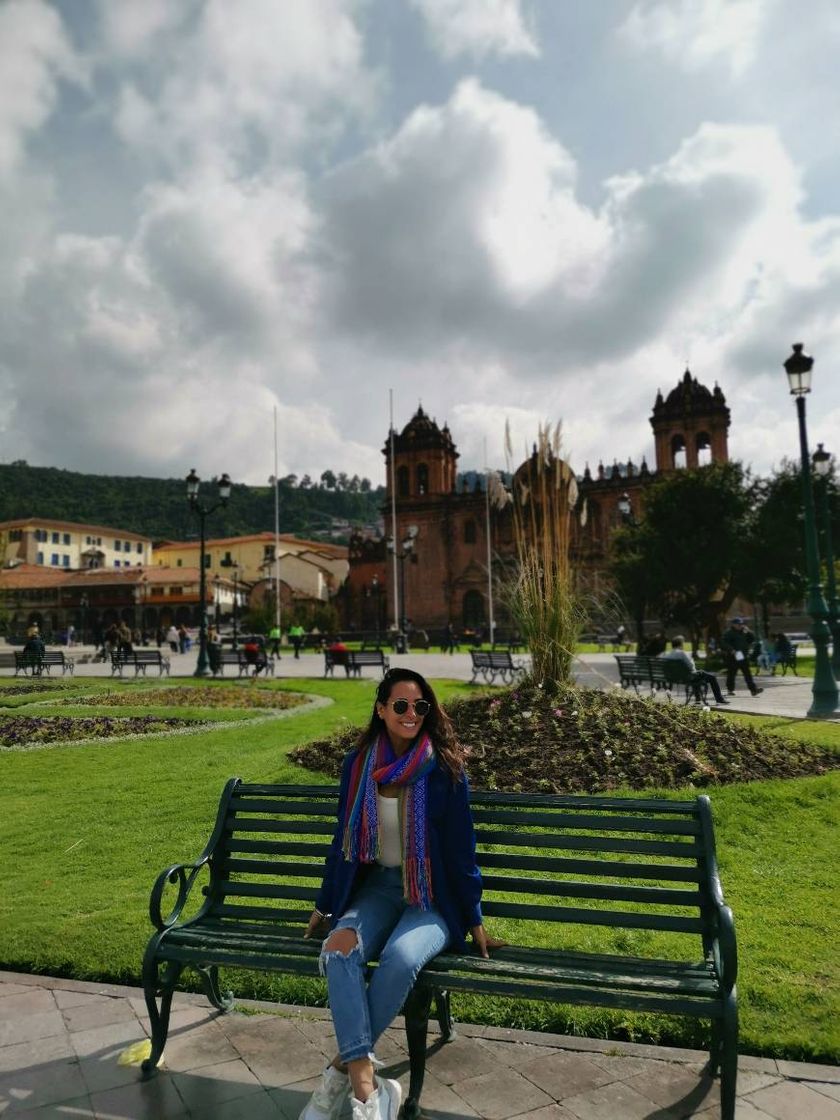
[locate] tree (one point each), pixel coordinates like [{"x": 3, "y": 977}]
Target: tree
[
  {"x": 686, "y": 557},
  {"x": 328, "y": 480}
]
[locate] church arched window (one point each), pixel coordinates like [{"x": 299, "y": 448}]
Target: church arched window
[
  {"x": 704, "y": 449},
  {"x": 678, "y": 451},
  {"x": 422, "y": 479},
  {"x": 402, "y": 482}
]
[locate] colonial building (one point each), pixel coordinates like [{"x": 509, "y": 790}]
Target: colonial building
[
  {"x": 440, "y": 537},
  {"x": 67, "y": 544}
]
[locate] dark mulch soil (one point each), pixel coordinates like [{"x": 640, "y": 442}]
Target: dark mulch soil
[
  {"x": 570, "y": 740},
  {"x": 22, "y": 732}
]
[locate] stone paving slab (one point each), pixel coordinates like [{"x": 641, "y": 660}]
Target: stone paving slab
[{"x": 264, "y": 1064}]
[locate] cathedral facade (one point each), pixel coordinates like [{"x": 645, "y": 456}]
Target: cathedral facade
[{"x": 437, "y": 559}]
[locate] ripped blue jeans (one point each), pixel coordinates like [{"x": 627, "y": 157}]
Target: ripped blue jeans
[{"x": 401, "y": 937}]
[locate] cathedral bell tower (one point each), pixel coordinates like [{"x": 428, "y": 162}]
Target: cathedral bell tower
[
  {"x": 425, "y": 460},
  {"x": 690, "y": 420}
]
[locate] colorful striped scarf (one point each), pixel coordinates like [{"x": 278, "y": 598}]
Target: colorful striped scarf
[{"x": 379, "y": 765}]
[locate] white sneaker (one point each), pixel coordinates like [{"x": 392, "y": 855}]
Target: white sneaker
[
  {"x": 383, "y": 1104},
  {"x": 329, "y": 1098}
]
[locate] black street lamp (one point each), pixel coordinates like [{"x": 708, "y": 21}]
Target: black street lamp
[
  {"x": 406, "y": 550},
  {"x": 193, "y": 484},
  {"x": 84, "y": 603},
  {"x": 625, "y": 509},
  {"x": 822, "y": 468},
  {"x": 376, "y": 590},
  {"x": 217, "y": 594},
  {"x": 798, "y": 368},
  {"x": 235, "y": 603}
]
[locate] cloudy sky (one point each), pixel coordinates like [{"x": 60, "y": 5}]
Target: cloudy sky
[{"x": 506, "y": 209}]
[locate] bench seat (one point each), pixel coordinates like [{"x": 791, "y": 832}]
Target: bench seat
[
  {"x": 36, "y": 665},
  {"x": 139, "y": 660}
]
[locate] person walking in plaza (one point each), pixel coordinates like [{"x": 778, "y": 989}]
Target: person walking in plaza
[
  {"x": 296, "y": 634},
  {"x": 736, "y": 643},
  {"x": 400, "y": 884},
  {"x": 677, "y": 653},
  {"x": 274, "y": 636}
]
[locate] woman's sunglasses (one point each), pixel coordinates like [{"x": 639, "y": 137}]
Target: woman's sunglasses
[{"x": 421, "y": 707}]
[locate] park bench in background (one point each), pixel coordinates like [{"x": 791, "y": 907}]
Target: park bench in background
[
  {"x": 490, "y": 665},
  {"x": 241, "y": 659},
  {"x": 786, "y": 663},
  {"x": 43, "y": 663},
  {"x": 606, "y": 864},
  {"x": 605, "y": 640},
  {"x": 659, "y": 673},
  {"x": 8, "y": 660},
  {"x": 354, "y": 661},
  {"x": 139, "y": 660}
]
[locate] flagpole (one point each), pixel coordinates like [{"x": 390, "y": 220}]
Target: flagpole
[
  {"x": 394, "y": 519},
  {"x": 276, "y": 530},
  {"x": 489, "y": 546}
]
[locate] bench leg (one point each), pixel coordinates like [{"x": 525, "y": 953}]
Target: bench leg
[
  {"x": 416, "y": 1012},
  {"x": 158, "y": 981},
  {"x": 443, "y": 1010},
  {"x": 729, "y": 1059},
  {"x": 209, "y": 977}
]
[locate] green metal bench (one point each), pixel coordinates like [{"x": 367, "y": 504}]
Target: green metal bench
[
  {"x": 37, "y": 665},
  {"x": 490, "y": 665},
  {"x": 559, "y": 872},
  {"x": 660, "y": 673}
]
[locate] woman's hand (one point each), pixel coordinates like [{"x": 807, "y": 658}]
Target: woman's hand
[
  {"x": 318, "y": 925},
  {"x": 484, "y": 941}
]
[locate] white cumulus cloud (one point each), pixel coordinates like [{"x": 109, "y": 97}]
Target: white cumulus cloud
[{"x": 478, "y": 27}]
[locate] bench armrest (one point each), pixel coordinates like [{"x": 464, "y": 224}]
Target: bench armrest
[
  {"x": 184, "y": 874},
  {"x": 725, "y": 949}
]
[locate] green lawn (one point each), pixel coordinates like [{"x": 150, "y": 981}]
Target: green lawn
[{"x": 85, "y": 830}]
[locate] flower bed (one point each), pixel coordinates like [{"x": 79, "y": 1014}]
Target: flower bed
[
  {"x": 21, "y": 732},
  {"x": 578, "y": 740},
  {"x": 197, "y": 696}
]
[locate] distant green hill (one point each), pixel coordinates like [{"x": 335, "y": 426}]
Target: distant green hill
[{"x": 157, "y": 507}]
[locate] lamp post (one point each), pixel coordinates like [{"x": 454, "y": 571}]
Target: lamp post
[
  {"x": 798, "y": 368},
  {"x": 376, "y": 591},
  {"x": 235, "y": 603},
  {"x": 822, "y": 468},
  {"x": 625, "y": 509},
  {"x": 217, "y": 594},
  {"x": 84, "y": 603},
  {"x": 406, "y": 550},
  {"x": 224, "y": 487}
]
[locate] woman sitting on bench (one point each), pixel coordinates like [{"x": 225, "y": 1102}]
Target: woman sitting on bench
[{"x": 400, "y": 884}]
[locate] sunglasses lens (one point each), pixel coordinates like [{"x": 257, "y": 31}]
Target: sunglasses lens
[
  {"x": 422, "y": 707},
  {"x": 400, "y": 707}
]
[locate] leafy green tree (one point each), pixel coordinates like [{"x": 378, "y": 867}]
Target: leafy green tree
[{"x": 685, "y": 558}]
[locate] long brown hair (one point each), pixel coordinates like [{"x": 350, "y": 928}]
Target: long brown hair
[{"x": 437, "y": 724}]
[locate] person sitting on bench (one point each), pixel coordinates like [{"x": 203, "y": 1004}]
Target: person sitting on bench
[{"x": 677, "y": 653}]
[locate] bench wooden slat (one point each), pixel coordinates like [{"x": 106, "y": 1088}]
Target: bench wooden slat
[
  {"x": 267, "y": 913},
  {"x": 586, "y": 843},
  {"x": 303, "y": 827},
  {"x": 314, "y": 870},
  {"x": 560, "y": 993},
  {"x": 562, "y": 865},
  {"x": 300, "y": 808},
  {"x": 566, "y": 888},
  {"x": 623, "y": 919},
  {"x": 595, "y": 823},
  {"x": 278, "y": 847}
]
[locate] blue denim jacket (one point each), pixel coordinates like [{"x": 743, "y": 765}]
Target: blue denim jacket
[{"x": 456, "y": 880}]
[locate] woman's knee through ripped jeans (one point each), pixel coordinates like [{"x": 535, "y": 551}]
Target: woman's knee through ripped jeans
[{"x": 400, "y": 937}]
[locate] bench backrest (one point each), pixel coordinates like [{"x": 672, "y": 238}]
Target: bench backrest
[
  {"x": 365, "y": 657},
  {"x": 626, "y": 863},
  {"x": 498, "y": 659}
]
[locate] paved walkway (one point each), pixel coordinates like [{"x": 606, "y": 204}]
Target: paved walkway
[
  {"x": 63, "y": 1045},
  {"x": 782, "y": 696}
]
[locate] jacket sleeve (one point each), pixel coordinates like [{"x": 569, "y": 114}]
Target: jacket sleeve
[
  {"x": 459, "y": 847},
  {"x": 324, "y": 899}
]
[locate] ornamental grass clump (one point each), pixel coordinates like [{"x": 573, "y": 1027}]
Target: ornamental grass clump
[{"x": 541, "y": 596}]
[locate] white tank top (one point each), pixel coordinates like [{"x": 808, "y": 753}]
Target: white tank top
[{"x": 390, "y": 847}]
